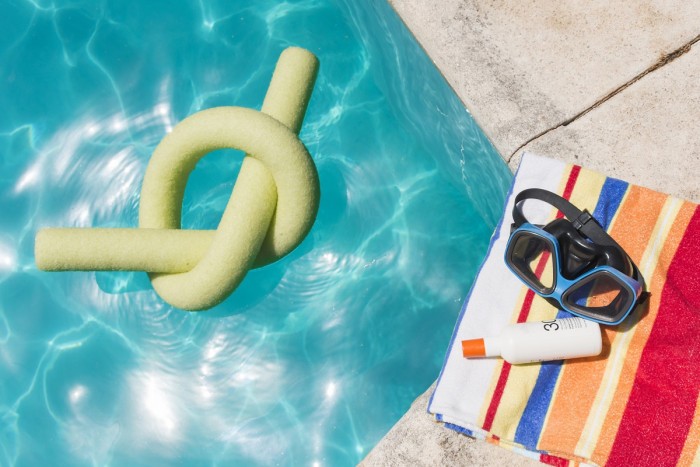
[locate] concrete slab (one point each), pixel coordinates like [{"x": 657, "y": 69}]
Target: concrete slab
[
  {"x": 522, "y": 68},
  {"x": 647, "y": 134},
  {"x": 611, "y": 86},
  {"x": 417, "y": 440}
]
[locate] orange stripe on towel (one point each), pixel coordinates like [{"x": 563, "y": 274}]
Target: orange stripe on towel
[
  {"x": 578, "y": 382},
  {"x": 613, "y": 415},
  {"x": 662, "y": 402}
]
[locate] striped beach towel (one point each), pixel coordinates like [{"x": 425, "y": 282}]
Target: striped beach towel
[{"x": 636, "y": 404}]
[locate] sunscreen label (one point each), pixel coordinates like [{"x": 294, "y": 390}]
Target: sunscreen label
[{"x": 564, "y": 324}]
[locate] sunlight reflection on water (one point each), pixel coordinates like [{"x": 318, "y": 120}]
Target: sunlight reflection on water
[{"x": 306, "y": 363}]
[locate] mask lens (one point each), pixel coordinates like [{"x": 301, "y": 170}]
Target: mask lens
[
  {"x": 602, "y": 295},
  {"x": 532, "y": 257}
]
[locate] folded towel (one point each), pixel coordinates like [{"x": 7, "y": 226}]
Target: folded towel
[{"x": 635, "y": 404}]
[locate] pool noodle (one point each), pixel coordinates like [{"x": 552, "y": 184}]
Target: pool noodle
[{"x": 272, "y": 207}]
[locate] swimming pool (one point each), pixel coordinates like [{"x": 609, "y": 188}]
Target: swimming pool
[{"x": 314, "y": 357}]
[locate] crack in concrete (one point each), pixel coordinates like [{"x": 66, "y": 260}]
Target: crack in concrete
[{"x": 664, "y": 60}]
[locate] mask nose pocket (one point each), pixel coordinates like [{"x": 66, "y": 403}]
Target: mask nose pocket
[{"x": 578, "y": 253}]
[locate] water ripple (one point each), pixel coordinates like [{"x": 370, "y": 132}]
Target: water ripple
[{"x": 314, "y": 357}]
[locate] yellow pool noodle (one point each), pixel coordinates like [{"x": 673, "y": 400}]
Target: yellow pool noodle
[{"x": 272, "y": 207}]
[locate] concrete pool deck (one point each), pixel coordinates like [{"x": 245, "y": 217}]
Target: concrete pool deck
[{"x": 614, "y": 87}]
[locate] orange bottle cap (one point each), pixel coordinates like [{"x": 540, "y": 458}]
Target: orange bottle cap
[{"x": 473, "y": 348}]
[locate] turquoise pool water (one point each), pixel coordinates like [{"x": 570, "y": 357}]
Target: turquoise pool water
[{"x": 315, "y": 357}]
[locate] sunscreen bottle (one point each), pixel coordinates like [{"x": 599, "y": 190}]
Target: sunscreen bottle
[{"x": 540, "y": 341}]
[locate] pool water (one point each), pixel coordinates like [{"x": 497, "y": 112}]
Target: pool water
[{"x": 313, "y": 358}]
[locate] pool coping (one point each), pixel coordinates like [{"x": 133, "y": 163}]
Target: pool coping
[{"x": 613, "y": 88}]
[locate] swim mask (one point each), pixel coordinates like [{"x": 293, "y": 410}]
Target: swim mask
[{"x": 572, "y": 262}]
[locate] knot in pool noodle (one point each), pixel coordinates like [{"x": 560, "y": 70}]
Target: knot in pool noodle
[{"x": 271, "y": 209}]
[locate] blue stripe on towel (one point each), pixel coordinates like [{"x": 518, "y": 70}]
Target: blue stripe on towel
[
  {"x": 461, "y": 430},
  {"x": 611, "y": 196},
  {"x": 532, "y": 421}
]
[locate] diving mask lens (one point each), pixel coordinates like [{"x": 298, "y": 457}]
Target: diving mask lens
[
  {"x": 532, "y": 258},
  {"x": 602, "y": 295}
]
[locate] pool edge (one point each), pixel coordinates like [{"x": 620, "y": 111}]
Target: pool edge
[{"x": 634, "y": 123}]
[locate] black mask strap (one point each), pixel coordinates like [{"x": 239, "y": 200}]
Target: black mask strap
[{"x": 582, "y": 221}]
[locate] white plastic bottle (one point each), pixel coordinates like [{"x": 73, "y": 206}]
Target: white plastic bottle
[{"x": 540, "y": 341}]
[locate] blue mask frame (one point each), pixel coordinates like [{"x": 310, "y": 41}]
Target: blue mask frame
[
  {"x": 562, "y": 291},
  {"x": 585, "y": 261}
]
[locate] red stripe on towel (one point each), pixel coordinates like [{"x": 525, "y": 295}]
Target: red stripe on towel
[
  {"x": 525, "y": 311},
  {"x": 662, "y": 402},
  {"x": 554, "y": 460},
  {"x": 573, "y": 176},
  {"x": 530, "y": 295},
  {"x": 497, "y": 395}
]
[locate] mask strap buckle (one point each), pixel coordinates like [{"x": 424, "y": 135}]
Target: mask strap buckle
[{"x": 580, "y": 222}]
